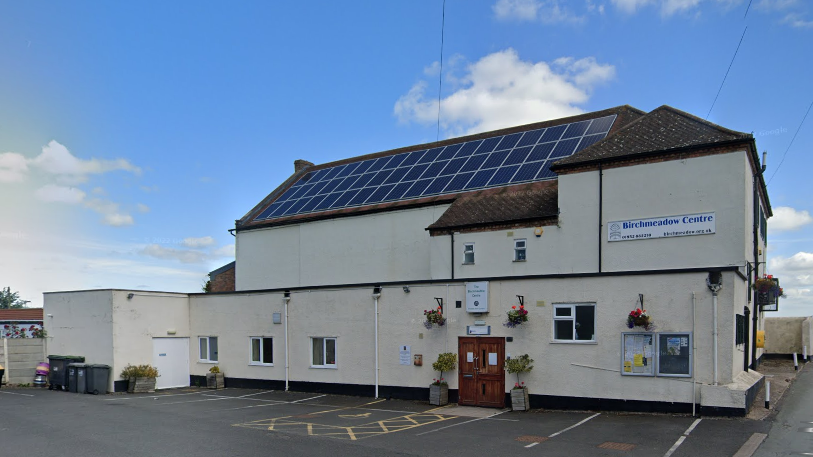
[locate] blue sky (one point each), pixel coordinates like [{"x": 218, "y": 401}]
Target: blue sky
[{"x": 133, "y": 134}]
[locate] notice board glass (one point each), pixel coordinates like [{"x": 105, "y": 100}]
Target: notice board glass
[
  {"x": 675, "y": 354},
  {"x": 637, "y": 354}
]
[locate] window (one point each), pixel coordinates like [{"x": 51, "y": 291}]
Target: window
[
  {"x": 574, "y": 322},
  {"x": 262, "y": 350},
  {"x": 468, "y": 253},
  {"x": 740, "y": 334},
  {"x": 519, "y": 250},
  {"x": 208, "y": 348},
  {"x": 324, "y": 352}
]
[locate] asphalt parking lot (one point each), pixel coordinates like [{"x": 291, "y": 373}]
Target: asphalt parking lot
[{"x": 244, "y": 422}]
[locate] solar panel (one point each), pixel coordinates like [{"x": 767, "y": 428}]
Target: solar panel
[{"x": 476, "y": 164}]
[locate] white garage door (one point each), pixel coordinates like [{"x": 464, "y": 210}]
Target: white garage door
[{"x": 171, "y": 357}]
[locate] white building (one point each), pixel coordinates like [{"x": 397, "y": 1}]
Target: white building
[{"x": 581, "y": 219}]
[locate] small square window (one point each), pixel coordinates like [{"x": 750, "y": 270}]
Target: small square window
[
  {"x": 208, "y": 349},
  {"x": 468, "y": 253},
  {"x": 574, "y": 322},
  {"x": 323, "y": 352},
  {"x": 262, "y": 350},
  {"x": 519, "y": 250}
]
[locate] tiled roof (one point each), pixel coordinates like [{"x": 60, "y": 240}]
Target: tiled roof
[
  {"x": 502, "y": 205},
  {"x": 661, "y": 130},
  {"x": 625, "y": 115},
  {"x": 23, "y": 314}
]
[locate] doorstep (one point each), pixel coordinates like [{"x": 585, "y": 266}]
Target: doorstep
[{"x": 468, "y": 411}]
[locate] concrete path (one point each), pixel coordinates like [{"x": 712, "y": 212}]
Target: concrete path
[{"x": 792, "y": 431}]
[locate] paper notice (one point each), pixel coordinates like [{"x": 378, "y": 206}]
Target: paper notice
[
  {"x": 628, "y": 367},
  {"x": 639, "y": 360},
  {"x": 648, "y": 351},
  {"x": 673, "y": 346},
  {"x": 684, "y": 341},
  {"x": 469, "y": 357}
]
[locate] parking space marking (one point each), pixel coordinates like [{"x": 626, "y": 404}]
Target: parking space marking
[
  {"x": 312, "y": 398},
  {"x": 461, "y": 423},
  {"x": 15, "y": 393},
  {"x": 151, "y": 396},
  {"x": 682, "y": 438},
  {"x": 574, "y": 425}
]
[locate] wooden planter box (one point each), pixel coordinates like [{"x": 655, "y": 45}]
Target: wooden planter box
[
  {"x": 215, "y": 380},
  {"x": 140, "y": 385},
  {"x": 519, "y": 399},
  {"x": 439, "y": 395}
]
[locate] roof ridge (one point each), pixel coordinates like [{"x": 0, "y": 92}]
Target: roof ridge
[{"x": 705, "y": 122}]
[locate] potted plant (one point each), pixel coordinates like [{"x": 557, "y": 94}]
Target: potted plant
[
  {"x": 519, "y": 394},
  {"x": 516, "y": 316},
  {"x": 639, "y": 318},
  {"x": 433, "y": 317},
  {"x": 141, "y": 378},
  {"x": 768, "y": 288},
  {"x": 439, "y": 389},
  {"x": 215, "y": 379}
]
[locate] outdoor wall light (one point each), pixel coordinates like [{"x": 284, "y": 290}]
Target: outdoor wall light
[
  {"x": 130, "y": 296},
  {"x": 406, "y": 289}
]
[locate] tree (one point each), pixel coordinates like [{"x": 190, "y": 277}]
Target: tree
[{"x": 11, "y": 300}]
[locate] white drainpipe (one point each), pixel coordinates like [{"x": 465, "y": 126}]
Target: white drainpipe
[
  {"x": 376, "y": 296},
  {"x": 285, "y": 300},
  {"x": 714, "y": 288}
]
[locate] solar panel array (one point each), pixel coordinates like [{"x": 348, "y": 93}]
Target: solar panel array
[{"x": 492, "y": 162}]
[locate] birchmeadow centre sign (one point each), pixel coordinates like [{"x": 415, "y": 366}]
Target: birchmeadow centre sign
[{"x": 662, "y": 227}]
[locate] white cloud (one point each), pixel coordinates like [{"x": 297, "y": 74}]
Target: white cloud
[
  {"x": 630, "y": 6},
  {"x": 142, "y": 208},
  {"x": 671, "y": 7},
  {"x": 787, "y": 218},
  {"x": 224, "y": 251},
  {"x": 801, "y": 261},
  {"x": 53, "y": 193},
  {"x": 796, "y": 21},
  {"x": 13, "y": 167},
  {"x": 198, "y": 242},
  {"x": 182, "y": 255},
  {"x": 501, "y": 90},
  {"x": 98, "y": 191},
  {"x": 547, "y": 11},
  {"x": 110, "y": 212},
  {"x": 57, "y": 160},
  {"x": 775, "y": 5}
]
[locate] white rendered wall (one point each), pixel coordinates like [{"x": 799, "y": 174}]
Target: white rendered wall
[
  {"x": 138, "y": 320},
  {"x": 700, "y": 184},
  {"x": 82, "y": 324},
  {"x": 389, "y": 246}
]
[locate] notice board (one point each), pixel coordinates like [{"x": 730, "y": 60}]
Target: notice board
[
  {"x": 675, "y": 354},
  {"x": 637, "y": 354}
]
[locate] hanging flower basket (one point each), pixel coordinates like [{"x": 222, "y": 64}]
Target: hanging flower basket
[
  {"x": 433, "y": 317},
  {"x": 768, "y": 286},
  {"x": 639, "y": 318},
  {"x": 517, "y": 316}
]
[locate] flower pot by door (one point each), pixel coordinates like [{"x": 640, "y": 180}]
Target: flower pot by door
[
  {"x": 215, "y": 380},
  {"x": 519, "y": 399},
  {"x": 439, "y": 394}
]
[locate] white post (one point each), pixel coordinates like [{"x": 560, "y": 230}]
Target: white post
[
  {"x": 714, "y": 310},
  {"x": 804, "y": 353},
  {"x": 795, "y": 362},
  {"x": 767, "y": 394},
  {"x": 375, "y": 299},
  {"x": 694, "y": 351},
  {"x": 285, "y": 300}
]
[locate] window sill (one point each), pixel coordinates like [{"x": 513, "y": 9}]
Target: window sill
[
  {"x": 324, "y": 367},
  {"x": 574, "y": 342},
  {"x": 467, "y": 263},
  {"x": 523, "y": 260},
  {"x": 208, "y": 362},
  {"x": 258, "y": 364}
]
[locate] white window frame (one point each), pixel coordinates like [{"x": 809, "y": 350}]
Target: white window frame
[
  {"x": 466, "y": 250},
  {"x": 260, "y": 362},
  {"x": 572, "y": 318},
  {"x": 324, "y": 351},
  {"x": 208, "y": 358},
  {"x": 517, "y": 249}
]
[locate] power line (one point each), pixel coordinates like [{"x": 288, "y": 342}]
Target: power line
[
  {"x": 726, "y": 72},
  {"x": 791, "y": 142},
  {"x": 746, "y": 9},
  {"x": 440, "y": 75}
]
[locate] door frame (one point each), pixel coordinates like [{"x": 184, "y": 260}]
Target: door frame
[{"x": 497, "y": 399}]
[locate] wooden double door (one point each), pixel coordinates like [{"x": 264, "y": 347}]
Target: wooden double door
[{"x": 481, "y": 379}]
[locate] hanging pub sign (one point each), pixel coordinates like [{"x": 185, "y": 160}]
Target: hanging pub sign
[
  {"x": 768, "y": 292},
  {"x": 662, "y": 227},
  {"x": 477, "y": 297}
]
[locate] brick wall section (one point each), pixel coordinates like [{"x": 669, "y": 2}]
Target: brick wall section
[
  {"x": 224, "y": 282},
  {"x": 21, "y": 361}
]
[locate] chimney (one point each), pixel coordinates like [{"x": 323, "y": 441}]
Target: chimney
[{"x": 300, "y": 164}]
